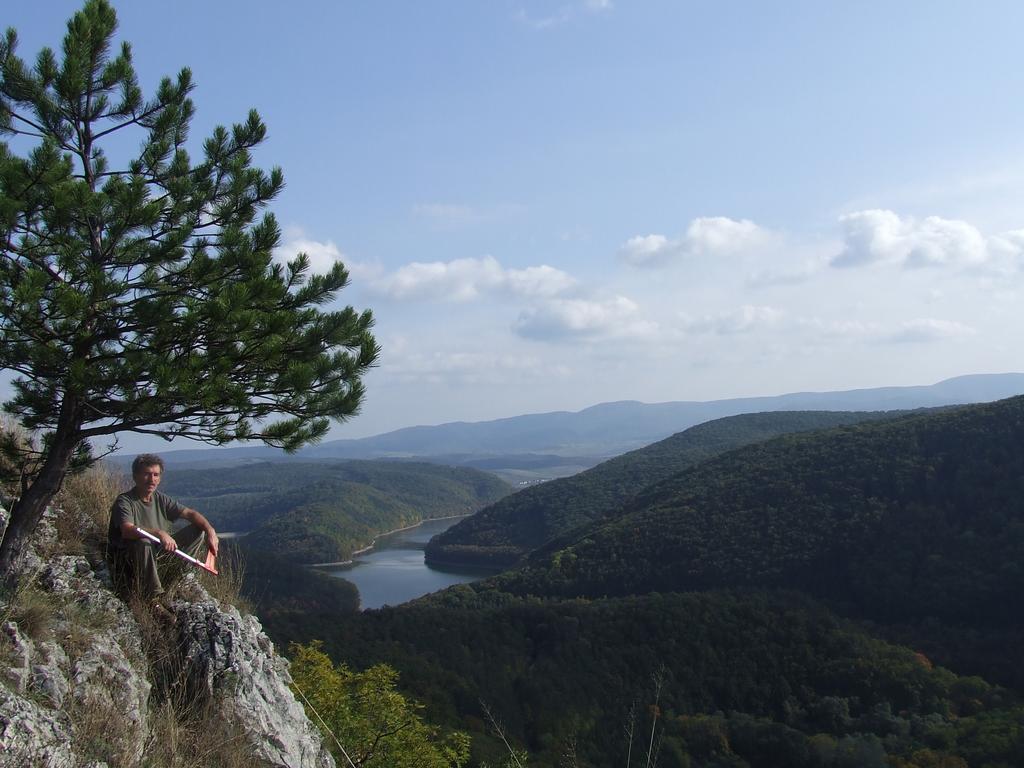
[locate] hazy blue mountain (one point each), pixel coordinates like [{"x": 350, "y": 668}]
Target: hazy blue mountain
[{"x": 604, "y": 430}]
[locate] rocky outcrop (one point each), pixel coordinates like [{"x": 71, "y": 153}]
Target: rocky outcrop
[
  {"x": 75, "y": 689},
  {"x": 76, "y": 677},
  {"x": 31, "y": 735},
  {"x": 84, "y": 666},
  {"x": 228, "y": 659}
]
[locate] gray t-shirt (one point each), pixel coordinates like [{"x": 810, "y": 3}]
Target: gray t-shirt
[{"x": 129, "y": 508}]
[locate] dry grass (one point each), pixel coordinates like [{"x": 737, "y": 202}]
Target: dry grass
[
  {"x": 195, "y": 737},
  {"x": 226, "y": 587},
  {"x": 84, "y": 509},
  {"x": 101, "y": 732},
  {"x": 160, "y": 645},
  {"x": 185, "y": 731},
  {"x": 182, "y": 734},
  {"x": 33, "y": 610},
  {"x": 81, "y": 625}
]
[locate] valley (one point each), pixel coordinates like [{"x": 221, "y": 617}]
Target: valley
[{"x": 810, "y": 589}]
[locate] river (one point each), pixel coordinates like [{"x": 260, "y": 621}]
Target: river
[{"x": 393, "y": 572}]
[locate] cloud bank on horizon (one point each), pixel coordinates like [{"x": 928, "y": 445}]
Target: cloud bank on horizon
[{"x": 556, "y": 307}]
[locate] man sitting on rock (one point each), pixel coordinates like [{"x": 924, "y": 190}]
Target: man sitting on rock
[{"x": 136, "y": 566}]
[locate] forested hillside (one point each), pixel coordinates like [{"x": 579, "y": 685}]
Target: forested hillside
[
  {"x": 291, "y": 600},
  {"x": 502, "y": 533},
  {"x": 795, "y": 598},
  {"x": 748, "y": 679},
  {"x": 915, "y": 517},
  {"x": 323, "y": 511}
]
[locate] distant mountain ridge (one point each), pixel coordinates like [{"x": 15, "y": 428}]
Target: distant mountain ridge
[{"x": 606, "y": 429}]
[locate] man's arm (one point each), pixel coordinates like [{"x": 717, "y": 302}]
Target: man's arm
[
  {"x": 129, "y": 533},
  {"x": 202, "y": 523}
]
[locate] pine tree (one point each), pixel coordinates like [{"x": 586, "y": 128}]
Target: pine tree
[{"x": 139, "y": 293}]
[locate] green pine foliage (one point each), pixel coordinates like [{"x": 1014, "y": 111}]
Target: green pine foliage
[
  {"x": 502, "y": 534},
  {"x": 138, "y": 290}
]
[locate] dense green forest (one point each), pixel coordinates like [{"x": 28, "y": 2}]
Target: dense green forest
[
  {"x": 502, "y": 533},
  {"x": 290, "y": 599},
  {"x": 914, "y": 518},
  {"x": 748, "y": 678},
  {"x": 324, "y": 511},
  {"x": 848, "y": 597}
]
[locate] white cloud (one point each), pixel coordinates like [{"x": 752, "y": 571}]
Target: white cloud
[
  {"x": 925, "y": 330},
  {"x": 881, "y": 236},
  {"x": 1007, "y": 246},
  {"x": 720, "y": 235},
  {"x": 563, "y": 14},
  {"x": 916, "y": 331},
  {"x": 322, "y": 254},
  {"x": 616, "y": 317},
  {"x": 742, "y": 320},
  {"x": 468, "y": 279},
  {"x": 706, "y": 236},
  {"x": 538, "y": 281},
  {"x": 463, "y": 368},
  {"x": 648, "y": 250}
]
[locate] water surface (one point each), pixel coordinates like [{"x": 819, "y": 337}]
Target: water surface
[{"x": 394, "y": 571}]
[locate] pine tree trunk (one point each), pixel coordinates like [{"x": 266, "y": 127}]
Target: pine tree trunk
[{"x": 28, "y": 510}]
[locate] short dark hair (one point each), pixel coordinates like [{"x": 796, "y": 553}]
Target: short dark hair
[{"x": 147, "y": 460}]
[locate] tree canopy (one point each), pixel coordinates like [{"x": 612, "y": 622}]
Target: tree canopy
[
  {"x": 365, "y": 721},
  {"x": 502, "y": 534},
  {"x": 138, "y": 291}
]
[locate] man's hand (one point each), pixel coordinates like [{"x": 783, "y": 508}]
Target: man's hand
[
  {"x": 168, "y": 542},
  {"x": 212, "y": 542},
  {"x": 200, "y": 522}
]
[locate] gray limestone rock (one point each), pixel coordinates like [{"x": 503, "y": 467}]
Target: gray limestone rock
[
  {"x": 229, "y": 659},
  {"x": 87, "y": 669},
  {"x": 18, "y": 669},
  {"x": 31, "y": 735},
  {"x": 72, "y": 579},
  {"x": 104, "y": 681},
  {"x": 50, "y": 673}
]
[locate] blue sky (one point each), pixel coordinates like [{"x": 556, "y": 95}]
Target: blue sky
[{"x": 554, "y": 204}]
